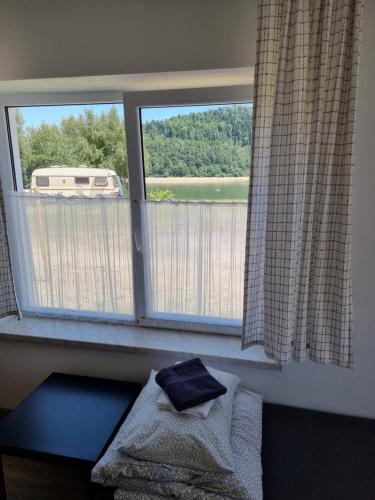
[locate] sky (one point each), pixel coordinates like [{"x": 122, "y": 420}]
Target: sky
[{"x": 36, "y": 115}]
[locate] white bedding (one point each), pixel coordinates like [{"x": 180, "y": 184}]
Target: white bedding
[
  {"x": 192, "y": 445},
  {"x": 137, "y": 482}
]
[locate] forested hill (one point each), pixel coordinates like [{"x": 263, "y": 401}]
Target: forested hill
[{"x": 213, "y": 143}]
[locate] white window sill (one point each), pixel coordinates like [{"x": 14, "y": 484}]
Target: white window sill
[{"x": 152, "y": 341}]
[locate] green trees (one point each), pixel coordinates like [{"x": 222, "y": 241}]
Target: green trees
[
  {"x": 214, "y": 143},
  {"x": 89, "y": 139}
]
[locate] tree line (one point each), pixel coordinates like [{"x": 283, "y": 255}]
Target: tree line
[{"x": 212, "y": 143}]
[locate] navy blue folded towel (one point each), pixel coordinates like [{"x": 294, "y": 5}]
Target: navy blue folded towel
[{"x": 189, "y": 384}]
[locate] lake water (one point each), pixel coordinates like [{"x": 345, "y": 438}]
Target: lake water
[{"x": 215, "y": 190}]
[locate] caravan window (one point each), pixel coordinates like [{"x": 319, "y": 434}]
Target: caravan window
[
  {"x": 42, "y": 181},
  {"x": 82, "y": 180},
  {"x": 101, "y": 181}
]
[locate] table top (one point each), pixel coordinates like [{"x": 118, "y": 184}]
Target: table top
[{"x": 68, "y": 417}]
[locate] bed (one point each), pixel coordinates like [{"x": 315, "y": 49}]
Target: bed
[{"x": 311, "y": 455}]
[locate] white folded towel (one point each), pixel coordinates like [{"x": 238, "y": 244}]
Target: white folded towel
[{"x": 202, "y": 410}]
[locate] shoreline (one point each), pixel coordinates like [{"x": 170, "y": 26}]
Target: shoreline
[{"x": 195, "y": 180}]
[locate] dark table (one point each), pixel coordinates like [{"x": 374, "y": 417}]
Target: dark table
[{"x": 68, "y": 419}]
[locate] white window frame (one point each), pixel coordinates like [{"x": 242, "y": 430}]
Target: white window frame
[
  {"x": 12, "y": 180},
  {"x": 133, "y": 102}
]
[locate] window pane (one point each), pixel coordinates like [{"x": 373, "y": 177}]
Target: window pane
[
  {"x": 72, "y": 141},
  {"x": 42, "y": 181},
  {"x": 197, "y": 164},
  {"x": 197, "y": 152},
  {"x": 73, "y": 226},
  {"x": 102, "y": 181},
  {"x": 82, "y": 180}
]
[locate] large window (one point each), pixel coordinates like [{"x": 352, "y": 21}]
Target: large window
[{"x": 143, "y": 223}]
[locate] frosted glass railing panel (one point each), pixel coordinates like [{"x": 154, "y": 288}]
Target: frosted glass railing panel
[
  {"x": 195, "y": 252},
  {"x": 73, "y": 254}
]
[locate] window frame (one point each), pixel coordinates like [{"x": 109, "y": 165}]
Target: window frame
[
  {"x": 132, "y": 102},
  {"x": 11, "y": 175}
]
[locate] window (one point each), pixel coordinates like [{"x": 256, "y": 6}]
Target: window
[
  {"x": 72, "y": 251},
  {"x": 196, "y": 163},
  {"x": 172, "y": 253},
  {"x": 82, "y": 180},
  {"x": 102, "y": 181},
  {"x": 42, "y": 181}
]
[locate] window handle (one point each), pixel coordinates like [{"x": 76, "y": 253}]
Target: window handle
[{"x": 138, "y": 245}]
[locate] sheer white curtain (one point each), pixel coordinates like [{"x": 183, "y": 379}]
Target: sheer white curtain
[
  {"x": 298, "y": 295},
  {"x": 73, "y": 254},
  {"x": 195, "y": 254}
]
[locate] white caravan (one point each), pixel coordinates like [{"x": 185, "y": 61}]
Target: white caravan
[{"x": 76, "y": 181}]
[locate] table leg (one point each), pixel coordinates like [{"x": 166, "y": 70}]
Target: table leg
[{"x": 3, "y": 494}]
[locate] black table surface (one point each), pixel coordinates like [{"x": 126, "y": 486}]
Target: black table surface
[{"x": 68, "y": 417}]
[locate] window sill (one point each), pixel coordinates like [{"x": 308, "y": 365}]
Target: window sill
[{"x": 151, "y": 341}]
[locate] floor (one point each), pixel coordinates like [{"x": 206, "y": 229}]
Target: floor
[{"x": 29, "y": 480}]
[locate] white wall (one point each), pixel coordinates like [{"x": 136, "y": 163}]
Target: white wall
[
  {"x": 23, "y": 365},
  {"x": 45, "y": 39}
]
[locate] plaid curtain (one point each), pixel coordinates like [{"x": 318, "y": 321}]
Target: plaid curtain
[
  {"x": 8, "y": 301},
  {"x": 298, "y": 291}
]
